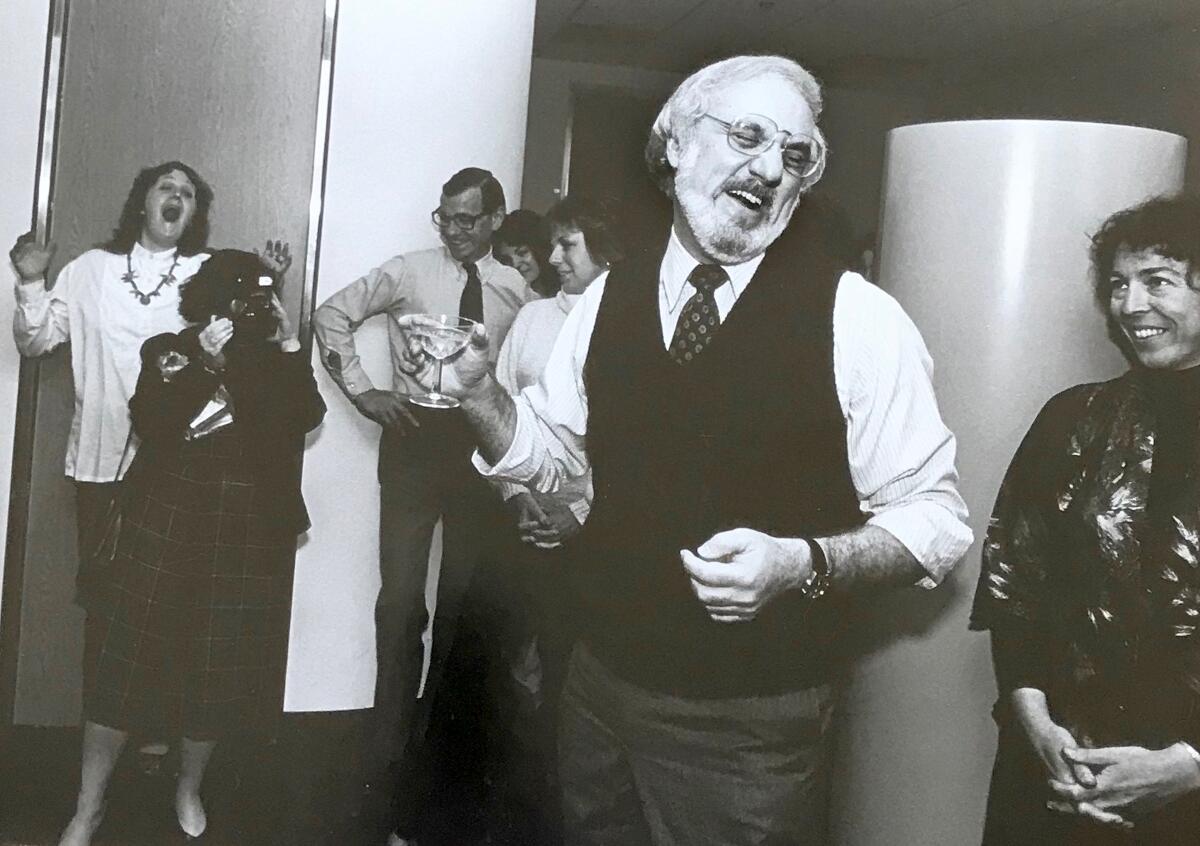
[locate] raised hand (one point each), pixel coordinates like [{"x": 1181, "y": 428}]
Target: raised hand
[
  {"x": 31, "y": 258},
  {"x": 737, "y": 572},
  {"x": 277, "y": 256}
]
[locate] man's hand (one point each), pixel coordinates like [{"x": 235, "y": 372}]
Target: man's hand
[
  {"x": 1130, "y": 779},
  {"x": 736, "y": 573},
  {"x": 462, "y": 373},
  {"x": 387, "y": 408},
  {"x": 31, "y": 258},
  {"x": 552, "y": 523}
]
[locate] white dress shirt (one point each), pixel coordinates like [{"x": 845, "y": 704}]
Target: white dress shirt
[
  {"x": 901, "y": 454},
  {"x": 522, "y": 360},
  {"x": 94, "y": 308},
  {"x": 422, "y": 282}
]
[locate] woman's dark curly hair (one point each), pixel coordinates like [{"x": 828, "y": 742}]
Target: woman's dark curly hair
[
  {"x": 1170, "y": 226},
  {"x": 596, "y": 221},
  {"x": 525, "y": 228},
  {"x": 129, "y": 228}
]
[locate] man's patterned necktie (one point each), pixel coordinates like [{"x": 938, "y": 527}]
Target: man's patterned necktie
[
  {"x": 699, "y": 319},
  {"x": 470, "y": 305}
]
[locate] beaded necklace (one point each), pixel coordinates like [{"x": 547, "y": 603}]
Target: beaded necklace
[{"x": 130, "y": 276}]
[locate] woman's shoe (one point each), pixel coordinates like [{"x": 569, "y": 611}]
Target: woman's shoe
[{"x": 193, "y": 821}]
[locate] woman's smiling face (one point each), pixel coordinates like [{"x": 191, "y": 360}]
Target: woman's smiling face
[{"x": 1157, "y": 307}]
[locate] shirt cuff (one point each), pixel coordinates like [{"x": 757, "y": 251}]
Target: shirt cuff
[
  {"x": 508, "y": 490},
  {"x": 354, "y": 381},
  {"x": 936, "y": 538},
  {"x": 523, "y": 458},
  {"x": 581, "y": 508}
]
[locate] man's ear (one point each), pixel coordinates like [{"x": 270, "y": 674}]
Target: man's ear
[
  {"x": 498, "y": 217},
  {"x": 673, "y": 152}
]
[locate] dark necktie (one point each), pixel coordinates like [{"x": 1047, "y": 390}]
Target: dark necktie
[
  {"x": 471, "y": 303},
  {"x": 699, "y": 319}
]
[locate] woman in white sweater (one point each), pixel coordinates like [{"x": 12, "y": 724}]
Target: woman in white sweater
[{"x": 584, "y": 245}]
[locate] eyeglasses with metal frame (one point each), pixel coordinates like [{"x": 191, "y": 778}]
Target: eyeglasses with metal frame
[{"x": 753, "y": 134}]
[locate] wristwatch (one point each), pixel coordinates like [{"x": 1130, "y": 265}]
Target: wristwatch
[{"x": 820, "y": 576}]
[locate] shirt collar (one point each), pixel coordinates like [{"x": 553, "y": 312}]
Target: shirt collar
[
  {"x": 143, "y": 255},
  {"x": 678, "y": 264},
  {"x": 485, "y": 264}
]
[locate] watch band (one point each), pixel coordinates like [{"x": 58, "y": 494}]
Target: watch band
[{"x": 820, "y": 576}]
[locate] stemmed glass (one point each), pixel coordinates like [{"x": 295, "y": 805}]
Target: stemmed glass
[{"x": 441, "y": 336}]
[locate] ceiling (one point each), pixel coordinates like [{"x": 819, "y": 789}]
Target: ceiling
[{"x": 831, "y": 34}]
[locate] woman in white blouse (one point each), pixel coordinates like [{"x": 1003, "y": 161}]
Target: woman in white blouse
[
  {"x": 106, "y": 303},
  {"x": 584, "y": 244}
]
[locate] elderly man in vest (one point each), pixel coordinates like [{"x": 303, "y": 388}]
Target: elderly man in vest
[{"x": 765, "y": 444}]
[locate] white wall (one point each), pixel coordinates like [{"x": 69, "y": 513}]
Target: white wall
[
  {"x": 22, "y": 54},
  {"x": 420, "y": 91}
]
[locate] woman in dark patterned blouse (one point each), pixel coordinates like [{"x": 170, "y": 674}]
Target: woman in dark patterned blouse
[
  {"x": 187, "y": 635},
  {"x": 1091, "y": 570}
]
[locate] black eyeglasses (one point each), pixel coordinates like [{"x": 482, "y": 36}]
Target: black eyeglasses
[
  {"x": 754, "y": 134},
  {"x": 464, "y": 222}
]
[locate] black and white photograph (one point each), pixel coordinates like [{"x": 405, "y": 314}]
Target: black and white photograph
[{"x": 600, "y": 423}]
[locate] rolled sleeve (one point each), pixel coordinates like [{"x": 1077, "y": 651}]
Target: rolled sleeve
[
  {"x": 901, "y": 452},
  {"x": 526, "y": 454}
]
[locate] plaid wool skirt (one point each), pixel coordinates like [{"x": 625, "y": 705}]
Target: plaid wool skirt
[{"x": 188, "y": 632}]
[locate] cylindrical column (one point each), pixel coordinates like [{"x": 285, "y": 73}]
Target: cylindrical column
[
  {"x": 420, "y": 90},
  {"x": 984, "y": 241}
]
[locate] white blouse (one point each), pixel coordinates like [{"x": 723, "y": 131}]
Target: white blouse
[{"x": 94, "y": 308}]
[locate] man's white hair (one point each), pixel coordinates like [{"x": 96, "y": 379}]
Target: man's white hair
[{"x": 690, "y": 100}]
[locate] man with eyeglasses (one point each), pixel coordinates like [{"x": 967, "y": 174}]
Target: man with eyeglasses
[
  {"x": 765, "y": 445},
  {"x": 424, "y": 454}
]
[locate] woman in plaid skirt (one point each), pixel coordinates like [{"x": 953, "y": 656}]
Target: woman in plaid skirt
[{"x": 187, "y": 633}]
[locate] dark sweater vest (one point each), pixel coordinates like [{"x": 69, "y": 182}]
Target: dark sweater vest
[{"x": 750, "y": 434}]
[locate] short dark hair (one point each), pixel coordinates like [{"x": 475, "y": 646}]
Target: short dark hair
[
  {"x": 597, "y": 222},
  {"x": 490, "y": 190},
  {"x": 1170, "y": 226},
  {"x": 129, "y": 228}
]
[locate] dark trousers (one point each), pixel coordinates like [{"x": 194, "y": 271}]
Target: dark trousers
[
  {"x": 640, "y": 767},
  {"x": 423, "y": 476}
]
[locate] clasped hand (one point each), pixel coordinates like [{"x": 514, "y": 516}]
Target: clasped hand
[
  {"x": 736, "y": 573},
  {"x": 542, "y": 519},
  {"x": 1122, "y": 781}
]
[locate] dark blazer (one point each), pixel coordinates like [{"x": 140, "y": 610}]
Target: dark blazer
[{"x": 275, "y": 401}]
